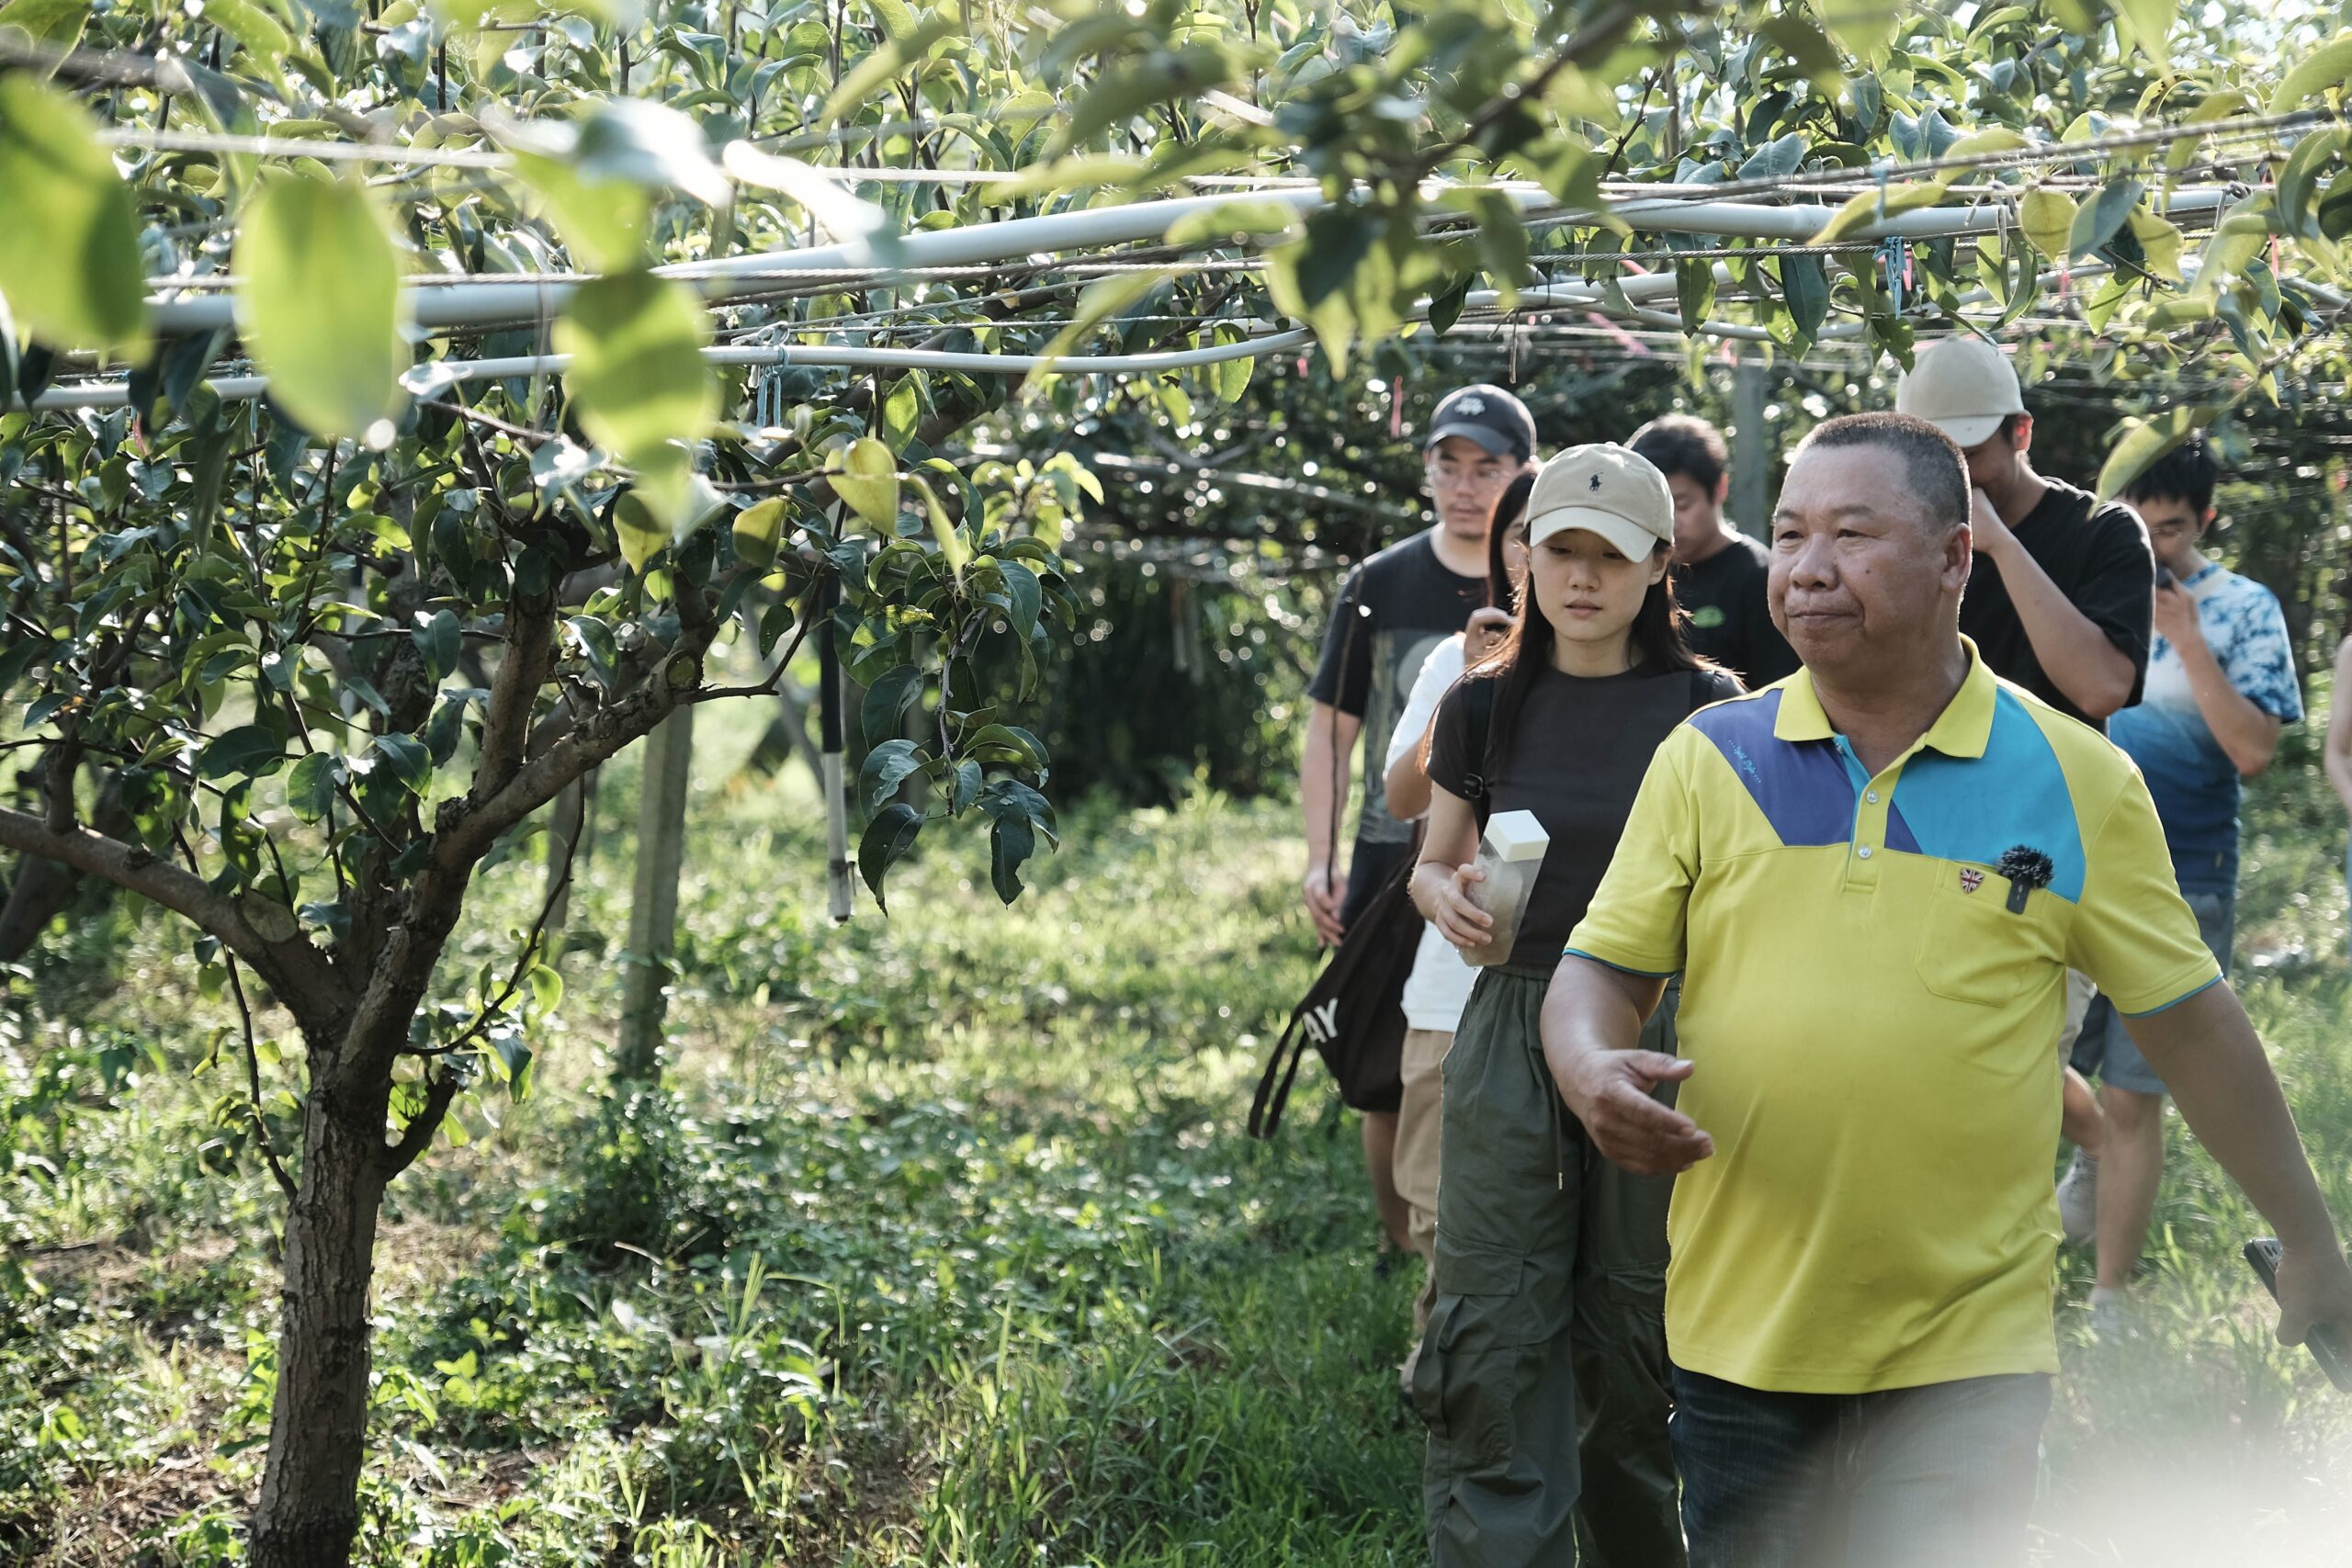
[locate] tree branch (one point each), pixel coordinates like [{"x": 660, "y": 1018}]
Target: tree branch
[
  {"x": 294, "y": 967},
  {"x": 530, "y": 654},
  {"x": 418, "y": 1136},
  {"x": 252, "y": 1084}
]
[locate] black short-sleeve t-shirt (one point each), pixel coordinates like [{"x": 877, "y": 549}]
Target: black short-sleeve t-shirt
[
  {"x": 1396, "y": 607},
  {"x": 1576, "y": 756},
  {"x": 2099, "y": 556},
  {"x": 1729, "y": 619}
]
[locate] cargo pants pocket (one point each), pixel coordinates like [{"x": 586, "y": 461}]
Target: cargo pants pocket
[{"x": 1486, "y": 1341}]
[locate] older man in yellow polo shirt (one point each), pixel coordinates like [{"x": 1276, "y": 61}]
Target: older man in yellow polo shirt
[{"x": 1873, "y": 877}]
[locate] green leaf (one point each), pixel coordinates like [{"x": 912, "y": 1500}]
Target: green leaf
[
  {"x": 439, "y": 640},
  {"x": 69, "y": 264},
  {"x": 2149, "y": 440},
  {"x": 888, "y": 763},
  {"x": 953, "y": 546},
  {"x": 310, "y": 788},
  {"x": 1872, "y": 207},
  {"x": 2148, "y": 23},
  {"x": 2325, "y": 68},
  {"x": 1863, "y": 28},
  {"x": 885, "y": 844},
  {"x": 319, "y": 299},
  {"x": 2213, "y": 107},
  {"x": 1694, "y": 290},
  {"x": 867, "y": 478},
  {"x": 1028, "y": 596},
  {"x": 406, "y": 760},
  {"x": 54, "y": 22},
  {"x": 255, "y": 750},
  {"x": 1098, "y": 301},
  {"x": 256, "y": 32},
  {"x": 2048, "y": 219},
  {"x": 546, "y": 987},
  {"x": 1010, "y": 842},
  {"x": 1233, "y": 374},
  {"x": 2097, "y": 220},
  {"x": 1804, "y": 285},
  {"x": 640, "y": 535},
  {"x": 638, "y": 382},
  {"x": 758, "y": 530},
  {"x": 884, "y": 708},
  {"x": 1129, "y": 88},
  {"x": 2297, "y": 184},
  {"x": 865, "y": 79},
  {"x": 604, "y": 222}
]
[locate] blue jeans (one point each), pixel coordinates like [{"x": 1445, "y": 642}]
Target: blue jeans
[
  {"x": 1941, "y": 1476},
  {"x": 2105, "y": 1050}
]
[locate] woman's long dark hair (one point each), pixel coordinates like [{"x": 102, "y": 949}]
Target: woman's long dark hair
[
  {"x": 1655, "y": 641},
  {"x": 1499, "y": 590}
]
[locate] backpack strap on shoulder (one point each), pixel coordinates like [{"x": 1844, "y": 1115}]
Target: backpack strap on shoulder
[{"x": 1479, "y": 716}]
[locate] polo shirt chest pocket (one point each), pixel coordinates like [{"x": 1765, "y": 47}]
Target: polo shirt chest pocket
[{"x": 1973, "y": 948}]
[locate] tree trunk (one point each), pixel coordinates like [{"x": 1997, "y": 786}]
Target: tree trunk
[{"x": 309, "y": 1511}]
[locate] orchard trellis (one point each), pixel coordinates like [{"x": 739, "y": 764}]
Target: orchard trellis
[{"x": 408, "y": 409}]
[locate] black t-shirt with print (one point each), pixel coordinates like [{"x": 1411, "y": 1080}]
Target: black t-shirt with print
[
  {"x": 1577, "y": 754},
  {"x": 1396, "y": 607},
  {"x": 2099, "y": 556},
  {"x": 1729, "y": 618}
]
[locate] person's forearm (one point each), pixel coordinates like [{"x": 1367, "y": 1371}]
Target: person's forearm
[
  {"x": 2096, "y": 675},
  {"x": 1407, "y": 787},
  {"x": 1590, "y": 1007},
  {"x": 2340, "y": 773},
  {"x": 1323, "y": 781},
  {"x": 2247, "y": 735},
  {"x": 2205, "y": 1050}
]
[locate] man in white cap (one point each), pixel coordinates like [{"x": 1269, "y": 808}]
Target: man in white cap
[{"x": 2063, "y": 588}]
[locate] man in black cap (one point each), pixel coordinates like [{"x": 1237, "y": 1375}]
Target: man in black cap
[{"x": 1395, "y": 608}]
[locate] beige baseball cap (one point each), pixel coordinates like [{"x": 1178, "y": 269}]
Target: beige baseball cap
[
  {"x": 1606, "y": 490},
  {"x": 1964, "y": 385}
]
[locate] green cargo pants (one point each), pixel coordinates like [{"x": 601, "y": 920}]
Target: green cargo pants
[{"x": 1543, "y": 1376}]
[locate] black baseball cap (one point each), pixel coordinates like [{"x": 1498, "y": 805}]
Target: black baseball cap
[{"x": 1488, "y": 415}]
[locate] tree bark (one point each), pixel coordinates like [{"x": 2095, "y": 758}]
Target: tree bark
[{"x": 308, "y": 1512}]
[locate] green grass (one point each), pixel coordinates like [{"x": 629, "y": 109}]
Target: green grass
[{"x": 941, "y": 1242}]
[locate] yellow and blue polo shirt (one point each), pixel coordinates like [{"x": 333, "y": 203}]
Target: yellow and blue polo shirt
[{"x": 1874, "y": 1028}]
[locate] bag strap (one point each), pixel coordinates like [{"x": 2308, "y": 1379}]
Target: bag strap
[
  {"x": 1266, "y": 1105},
  {"x": 1479, "y": 718}
]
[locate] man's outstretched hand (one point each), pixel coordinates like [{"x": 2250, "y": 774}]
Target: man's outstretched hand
[
  {"x": 2315, "y": 1287},
  {"x": 1610, "y": 1092}
]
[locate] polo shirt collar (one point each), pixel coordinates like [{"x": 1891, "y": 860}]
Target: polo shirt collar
[{"x": 1962, "y": 729}]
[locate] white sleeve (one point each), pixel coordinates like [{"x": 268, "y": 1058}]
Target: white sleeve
[{"x": 1440, "y": 671}]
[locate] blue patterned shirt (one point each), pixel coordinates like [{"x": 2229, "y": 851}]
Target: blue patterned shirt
[{"x": 2193, "y": 781}]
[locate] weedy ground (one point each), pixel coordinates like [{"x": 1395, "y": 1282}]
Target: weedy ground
[{"x": 942, "y": 1240}]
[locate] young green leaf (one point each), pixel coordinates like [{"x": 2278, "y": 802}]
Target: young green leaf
[
  {"x": 1873, "y": 207},
  {"x": 69, "y": 252},
  {"x": 2048, "y": 219},
  {"x": 319, "y": 298},
  {"x": 867, "y": 478},
  {"x": 885, "y": 844},
  {"x": 758, "y": 530},
  {"x": 2325, "y": 68},
  {"x": 638, "y": 382}
]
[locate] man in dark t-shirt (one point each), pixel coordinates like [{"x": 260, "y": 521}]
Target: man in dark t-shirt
[
  {"x": 1395, "y": 608},
  {"x": 1719, "y": 571},
  {"x": 2063, "y": 588}
]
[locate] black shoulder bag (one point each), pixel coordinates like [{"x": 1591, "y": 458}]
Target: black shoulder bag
[{"x": 1354, "y": 1013}]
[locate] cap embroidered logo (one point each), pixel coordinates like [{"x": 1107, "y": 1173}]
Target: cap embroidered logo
[
  {"x": 1596, "y": 481},
  {"x": 1971, "y": 879},
  {"x": 1471, "y": 405}
]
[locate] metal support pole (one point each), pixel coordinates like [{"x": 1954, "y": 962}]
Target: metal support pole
[
  {"x": 1751, "y": 452},
  {"x": 653, "y": 907},
  {"x": 829, "y": 689}
]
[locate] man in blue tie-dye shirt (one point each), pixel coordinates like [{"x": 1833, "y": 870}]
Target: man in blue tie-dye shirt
[{"x": 2221, "y": 686}]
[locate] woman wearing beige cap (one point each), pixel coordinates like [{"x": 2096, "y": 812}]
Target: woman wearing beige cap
[{"x": 1543, "y": 1376}]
